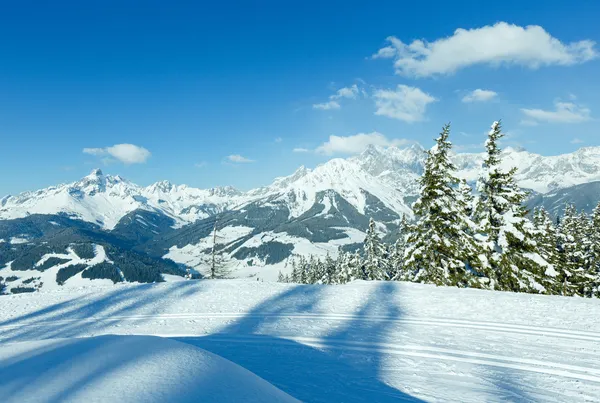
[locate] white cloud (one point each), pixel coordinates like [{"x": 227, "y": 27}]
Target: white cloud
[
  {"x": 126, "y": 153},
  {"x": 577, "y": 141},
  {"x": 238, "y": 159},
  {"x": 529, "y": 122},
  {"x": 301, "y": 150},
  {"x": 479, "y": 95},
  {"x": 327, "y": 106},
  {"x": 95, "y": 151},
  {"x": 201, "y": 164},
  {"x": 498, "y": 44},
  {"x": 356, "y": 144},
  {"x": 405, "y": 103},
  {"x": 565, "y": 112},
  {"x": 345, "y": 92},
  {"x": 278, "y": 140}
]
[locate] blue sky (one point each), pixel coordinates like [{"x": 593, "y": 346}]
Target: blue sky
[{"x": 237, "y": 93}]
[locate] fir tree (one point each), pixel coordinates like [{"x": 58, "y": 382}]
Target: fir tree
[
  {"x": 512, "y": 263},
  {"x": 547, "y": 246},
  {"x": 375, "y": 255},
  {"x": 439, "y": 248},
  {"x": 397, "y": 265},
  {"x": 329, "y": 270},
  {"x": 594, "y": 264},
  {"x": 574, "y": 277}
]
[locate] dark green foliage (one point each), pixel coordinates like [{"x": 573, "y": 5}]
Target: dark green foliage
[
  {"x": 141, "y": 226},
  {"x": 30, "y": 280},
  {"x": 84, "y": 250},
  {"x": 67, "y": 272},
  {"x": 21, "y": 290},
  {"x": 51, "y": 262},
  {"x": 102, "y": 271},
  {"x": 272, "y": 252},
  {"x": 138, "y": 267},
  {"x": 11, "y": 279},
  {"x": 30, "y": 256}
]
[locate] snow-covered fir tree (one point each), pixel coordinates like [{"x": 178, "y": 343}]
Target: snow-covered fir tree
[
  {"x": 397, "y": 267},
  {"x": 574, "y": 276},
  {"x": 376, "y": 255},
  {"x": 512, "y": 261},
  {"x": 547, "y": 246},
  {"x": 594, "y": 253},
  {"x": 438, "y": 246},
  {"x": 329, "y": 268}
]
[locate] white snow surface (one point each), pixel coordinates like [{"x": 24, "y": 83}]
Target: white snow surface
[
  {"x": 142, "y": 369},
  {"x": 364, "y": 341}
]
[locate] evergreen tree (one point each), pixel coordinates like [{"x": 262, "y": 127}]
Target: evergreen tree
[
  {"x": 303, "y": 271},
  {"x": 574, "y": 277},
  {"x": 439, "y": 248},
  {"x": 375, "y": 264},
  {"x": 512, "y": 263},
  {"x": 547, "y": 246},
  {"x": 329, "y": 270},
  {"x": 594, "y": 264},
  {"x": 398, "y": 270},
  {"x": 467, "y": 197}
]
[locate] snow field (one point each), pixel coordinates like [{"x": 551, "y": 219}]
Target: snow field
[{"x": 365, "y": 341}]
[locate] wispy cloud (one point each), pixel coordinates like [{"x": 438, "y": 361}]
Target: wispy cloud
[
  {"x": 278, "y": 140},
  {"x": 494, "y": 45},
  {"x": 200, "y": 164},
  {"x": 577, "y": 141},
  {"x": 301, "y": 150},
  {"x": 404, "y": 103},
  {"x": 125, "y": 153},
  {"x": 479, "y": 95},
  {"x": 327, "y": 106},
  {"x": 238, "y": 159},
  {"x": 351, "y": 92},
  {"x": 356, "y": 144},
  {"x": 564, "y": 112}
]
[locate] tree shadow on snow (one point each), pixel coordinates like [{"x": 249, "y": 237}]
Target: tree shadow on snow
[
  {"x": 96, "y": 313},
  {"x": 329, "y": 373}
]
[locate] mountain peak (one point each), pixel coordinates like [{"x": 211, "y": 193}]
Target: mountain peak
[{"x": 96, "y": 172}]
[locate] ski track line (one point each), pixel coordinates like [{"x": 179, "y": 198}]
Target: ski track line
[
  {"x": 543, "y": 367},
  {"x": 486, "y": 326}
]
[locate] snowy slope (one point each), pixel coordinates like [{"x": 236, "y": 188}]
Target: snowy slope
[
  {"x": 364, "y": 341},
  {"x": 125, "y": 369}
]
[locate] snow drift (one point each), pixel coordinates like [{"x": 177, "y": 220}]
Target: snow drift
[{"x": 141, "y": 369}]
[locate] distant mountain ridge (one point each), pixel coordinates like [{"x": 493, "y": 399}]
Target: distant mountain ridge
[{"x": 312, "y": 211}]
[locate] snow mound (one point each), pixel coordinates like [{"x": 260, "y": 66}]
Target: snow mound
[{"x": 125, "y": 369}]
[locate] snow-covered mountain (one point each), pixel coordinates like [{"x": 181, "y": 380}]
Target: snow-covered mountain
[
  {"x": 312, "y": 211},
  {"x": 542, "y": 174},
  {"x": 105, "y": 200}
]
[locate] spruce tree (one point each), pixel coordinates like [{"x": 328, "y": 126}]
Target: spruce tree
[
  {"x": 594, "y": 264},
  {"x": 511, "y": 263},
  {"x": 547, "y": 246},
  {"x": 375, "y": 265},
  {"x": 328, "y": 270},
  {"x": 399, "y": 250},
  {"x": 574, "y": 276},
  {"x": 439, "y": 248}
]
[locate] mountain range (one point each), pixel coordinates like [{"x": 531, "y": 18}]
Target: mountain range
[{"x": 136, "y": 233}]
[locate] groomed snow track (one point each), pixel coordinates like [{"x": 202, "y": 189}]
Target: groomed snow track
[{"x": 360, "y": 342}]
